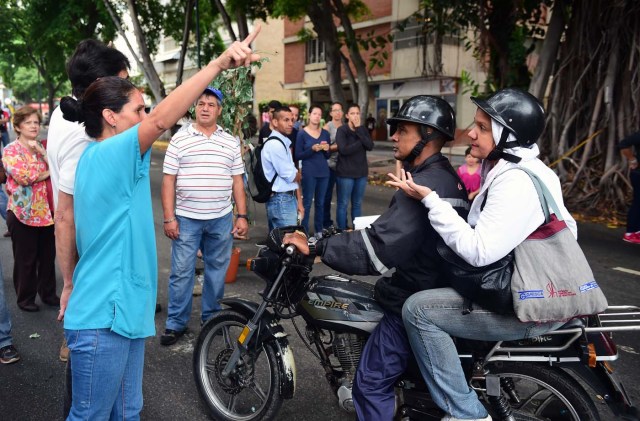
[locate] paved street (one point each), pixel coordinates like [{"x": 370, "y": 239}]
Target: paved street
[{"x": 32, "y": 388}]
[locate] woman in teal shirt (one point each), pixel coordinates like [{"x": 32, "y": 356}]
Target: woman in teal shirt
[{"x": 111, "y": 307}]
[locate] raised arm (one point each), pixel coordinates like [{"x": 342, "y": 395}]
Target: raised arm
[{"x": 176, "y": 104}]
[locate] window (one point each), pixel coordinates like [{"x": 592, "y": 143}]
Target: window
[
  {"x": 315, "y": 51},
  {"x": 410, "y": 33}
]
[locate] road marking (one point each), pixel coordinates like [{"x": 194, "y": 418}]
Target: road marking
[{"x": 631, "y": 271}]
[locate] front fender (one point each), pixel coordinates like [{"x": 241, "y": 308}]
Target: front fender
[{"x": 270, "y": 332}]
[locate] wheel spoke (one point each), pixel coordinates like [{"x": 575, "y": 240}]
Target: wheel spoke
[
  {"x": 255, "y": 388},
  {"x": 232, "y": 402},
  {"x": 209, "y": 367}
]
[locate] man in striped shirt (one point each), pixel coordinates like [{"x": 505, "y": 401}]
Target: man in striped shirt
[{"x": 202, "y": 170}]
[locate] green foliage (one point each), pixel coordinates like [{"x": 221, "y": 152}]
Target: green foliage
[
  {"x": 210, "y": 40},
  {"x": 501, "y": 30},
  {"x": 237, "y": 88},
  {"x": 24, "y": 83},
  {"x": 41, "y": 34},
  {"x": 469, "y": 85}
]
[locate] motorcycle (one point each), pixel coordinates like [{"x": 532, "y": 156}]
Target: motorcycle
[{"x": 244, "y": 367}]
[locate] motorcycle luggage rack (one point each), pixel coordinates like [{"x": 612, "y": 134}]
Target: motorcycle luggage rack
[{"x": 614, "y": 319}]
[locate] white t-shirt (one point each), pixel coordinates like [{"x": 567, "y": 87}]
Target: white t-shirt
[
  {"x": 204, "y": 166},
  {"x": 65, "y": 144}
]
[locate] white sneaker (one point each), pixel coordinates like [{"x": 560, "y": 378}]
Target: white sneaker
[{"x": 450, "y": 418}]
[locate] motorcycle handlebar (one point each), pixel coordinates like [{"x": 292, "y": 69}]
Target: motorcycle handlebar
[{"x": 290, "y": 250}]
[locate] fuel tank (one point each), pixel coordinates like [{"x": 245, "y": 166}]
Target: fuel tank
[{"x": 338, "y": 303}]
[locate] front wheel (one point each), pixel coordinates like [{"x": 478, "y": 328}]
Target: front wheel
[
  {"x": 251, "y": 392},
  {"x": 537, "y": 392}
]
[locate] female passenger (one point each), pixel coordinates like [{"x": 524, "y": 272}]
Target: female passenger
[
  {"x": 312, "y": 148},
  {"x": 112, "y": 304},
  {"x": 506, "y": 211}
]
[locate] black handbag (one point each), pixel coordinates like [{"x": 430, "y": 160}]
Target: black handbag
[{"x": 489, "y": 286}]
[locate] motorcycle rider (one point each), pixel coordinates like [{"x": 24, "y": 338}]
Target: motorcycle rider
[
  {"x": 507, "y": 210},
  {"x": 401, "y": 238}
]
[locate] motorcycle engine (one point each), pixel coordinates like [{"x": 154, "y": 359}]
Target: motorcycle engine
[{"x": 347, "y": 348}]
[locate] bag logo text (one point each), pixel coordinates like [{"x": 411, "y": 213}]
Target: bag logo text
[
  {"x": 526, "y": 295},
  {"x": 589, "y": 286},
  {"x": 553, "y": 293}
]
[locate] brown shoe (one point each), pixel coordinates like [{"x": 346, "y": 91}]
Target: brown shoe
[{"x": 64, "y": 351}]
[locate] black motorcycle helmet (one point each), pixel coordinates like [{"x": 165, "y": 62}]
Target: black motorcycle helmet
[
  {"x": 426, "y": 111},
  {"x": 520, "y": 113}
]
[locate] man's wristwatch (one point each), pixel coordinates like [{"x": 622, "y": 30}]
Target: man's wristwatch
[
  {"x": 311, "y": 242},
  {"x": 242, "y": 215},
  {"x": 167, "y": 221}
]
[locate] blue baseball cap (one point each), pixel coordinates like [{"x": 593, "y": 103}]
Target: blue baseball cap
[{"x": 215, "y": 92}]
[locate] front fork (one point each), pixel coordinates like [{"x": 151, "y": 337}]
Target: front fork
[{"x": 249, "y": 329}]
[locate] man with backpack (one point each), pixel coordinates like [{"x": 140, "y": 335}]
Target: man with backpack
[{"x": 283, "y": 205}]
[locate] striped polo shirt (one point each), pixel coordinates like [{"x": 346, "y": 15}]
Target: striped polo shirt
[{"x": 203, "y": 166}]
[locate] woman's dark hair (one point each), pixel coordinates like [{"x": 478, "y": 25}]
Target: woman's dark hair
[
  {"x": 314, "y": 106},
  {"x": 110, "y": 93},
  {"x": 467, "y": 151}
]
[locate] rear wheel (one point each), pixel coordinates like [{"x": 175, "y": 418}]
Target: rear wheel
[
  {"x": 251, "y": 392},
  {"x": 536, "y": 392}
]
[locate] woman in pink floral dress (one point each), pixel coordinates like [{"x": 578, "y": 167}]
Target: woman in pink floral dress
[{"x": 29, "y": 215}]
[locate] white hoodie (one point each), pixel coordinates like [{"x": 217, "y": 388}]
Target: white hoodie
[{"x": 511, "y": 212}]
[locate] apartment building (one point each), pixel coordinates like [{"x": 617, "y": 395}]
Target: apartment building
[{"x": 408, "y": 71}]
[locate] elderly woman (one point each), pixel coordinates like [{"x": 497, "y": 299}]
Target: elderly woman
[
  {"x": 506, "y": 211},
  {"x": 112, "y": 304},
  {"x": 29, "y": 214}
]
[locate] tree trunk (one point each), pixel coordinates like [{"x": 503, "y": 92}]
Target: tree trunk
[
  {"x": 225, "y": 18},
  {"x": 355, "y": 56},
  {"x": 155, "y": 84},
  {"x": 241, "y": 20},
  {"x": 549, "y": 51},
  {"x": 185, "y": 40},
  {"x": 350, "y": 77},
  {"x": 321, "y": 16}
]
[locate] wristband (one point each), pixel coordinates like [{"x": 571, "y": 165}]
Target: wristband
[
  {"x": 633, "y": 160},
  {"x": 242, "y": 215},
  {"x": 167, "y": 221}
]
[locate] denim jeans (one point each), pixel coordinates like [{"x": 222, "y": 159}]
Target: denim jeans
[
  {"x": 349, "y": 188},
  {"x": 217, "y": 240},
  {"x": 5, "y": 319},
  {"x": 327, "y": 221},
  {"x": 314, "y": 190},
  {"x": 430, "y": 316},
  {"x": 384, "y": 358},
  {"x": 106, "y": 372},
  {"x": 633, "y": 217},
  {"x": 282, "y": 210}
]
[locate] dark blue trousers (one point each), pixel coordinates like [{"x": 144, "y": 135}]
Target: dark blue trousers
[{"x": 384, "y": 359}]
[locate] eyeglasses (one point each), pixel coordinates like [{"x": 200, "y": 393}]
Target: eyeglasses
[{"x": 31, "y": 123}]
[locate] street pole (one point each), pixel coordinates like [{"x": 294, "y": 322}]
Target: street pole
[{"x": 198, "y": 32}]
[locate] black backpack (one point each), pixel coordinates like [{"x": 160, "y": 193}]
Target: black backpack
[{"x": 258, "y": 185}]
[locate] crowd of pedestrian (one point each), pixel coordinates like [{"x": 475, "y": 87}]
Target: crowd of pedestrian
[{"x": 84, "y": 197}]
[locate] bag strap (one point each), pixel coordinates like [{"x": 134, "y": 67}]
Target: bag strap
[
  {"x": 544, "y": 195},
  {"x": 275, "y": 173}
]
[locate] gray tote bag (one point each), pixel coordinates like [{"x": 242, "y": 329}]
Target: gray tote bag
[{"x": 552, "y": 280}]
